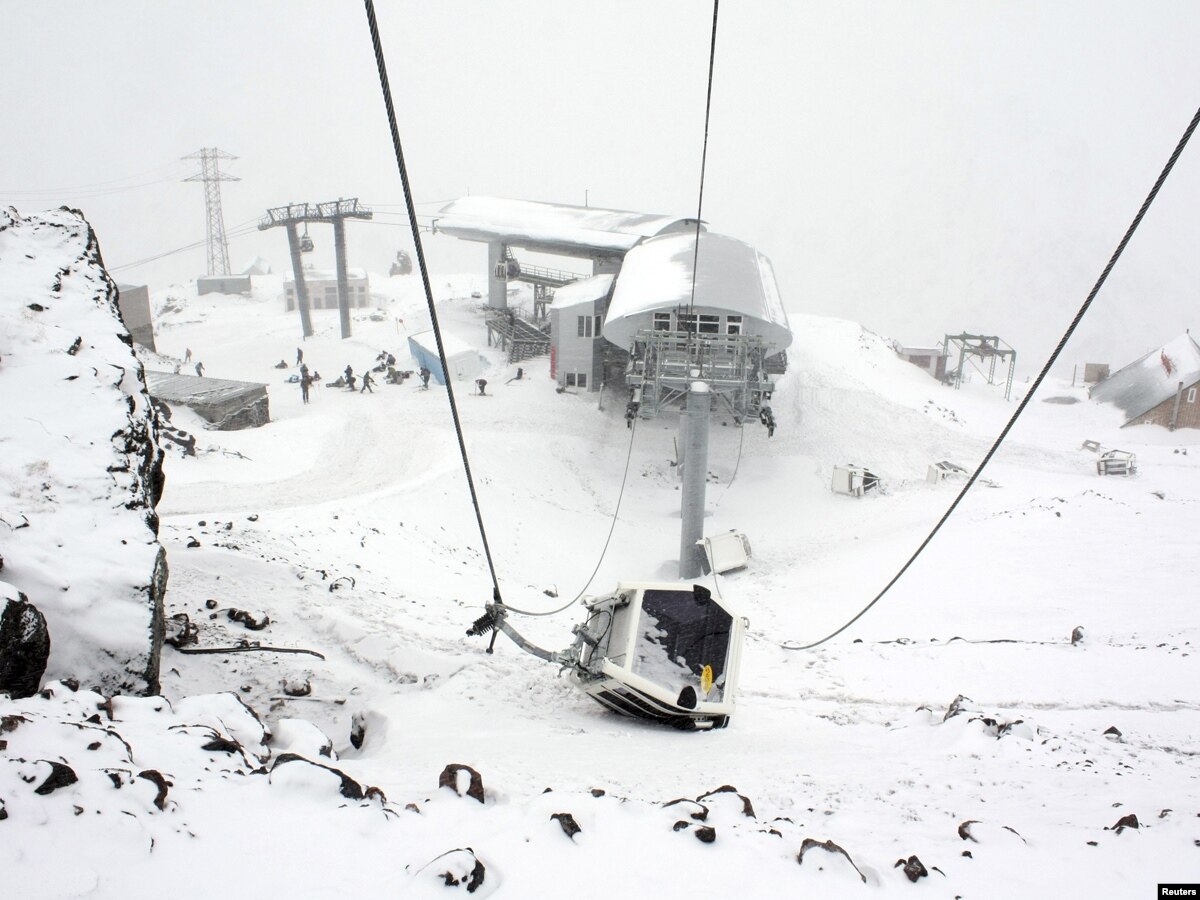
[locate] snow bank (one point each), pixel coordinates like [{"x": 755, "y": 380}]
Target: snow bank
[{"x": 80, "y": 469}]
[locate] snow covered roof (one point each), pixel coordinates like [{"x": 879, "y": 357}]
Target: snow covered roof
[
  {"x": 585, "y": 290},
  {"x": 311, "y": 275},
  {"x": 731, "y": 276},
  {"x": 1155, "y": 377},
  {"x": 257, "y": 266},
  {"x": 189, "y": 389},
  {"x": 552, "y": 227}
]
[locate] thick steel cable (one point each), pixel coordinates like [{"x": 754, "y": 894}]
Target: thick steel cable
[
  {"x": 1187, "y": 134},
  {"x": 437, "y": 331},
  {"x": 603, "y": 551},
  {"x": 712, "y": 59}
]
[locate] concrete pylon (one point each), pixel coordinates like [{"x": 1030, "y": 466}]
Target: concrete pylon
[
  {"x": 298, "y": 275},
  {"x": 497, "y": 287},
  {"x": 695, "y": 481},
  {"x": 343, "y": 287}
]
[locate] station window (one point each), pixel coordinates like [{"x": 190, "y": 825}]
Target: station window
[
  {"x": 733, "y": 324},
  {"x": 597, "y": 329},
  {"x": 584, "y": 326},
  {"x": 662, "y": 321},
  {"x": 570, "y": 379},
  {"x": 1191, "y": 395},
  {"x": 710, "y": 324},
  {"x": 581, "y": 380}
]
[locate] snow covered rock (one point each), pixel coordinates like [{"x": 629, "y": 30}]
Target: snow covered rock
[
  {"x": 80, "y": 467},
  {"x": 24, "y": 644}
]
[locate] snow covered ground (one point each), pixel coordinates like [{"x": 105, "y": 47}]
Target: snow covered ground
[{"x": 347, "y": 521}]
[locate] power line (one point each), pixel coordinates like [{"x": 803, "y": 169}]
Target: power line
[
  {"x": 114, "y": 185},
  {"x": 1137, "y": 219}
]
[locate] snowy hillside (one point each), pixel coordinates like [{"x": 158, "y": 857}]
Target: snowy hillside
[{"x": 956, "y": 728}]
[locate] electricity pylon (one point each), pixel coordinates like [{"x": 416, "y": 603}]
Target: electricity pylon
[{"x": 210, "y": 174}]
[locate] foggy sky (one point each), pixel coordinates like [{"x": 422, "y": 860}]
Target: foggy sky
[{"x": 921, "y": 168}]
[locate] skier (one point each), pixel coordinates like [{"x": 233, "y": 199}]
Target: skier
[
  {"x": 187, "y": 356},
  {"x": 304, "y": 387},
  {"x": 299, "y": 356},
  {"x": 200, "y": 369},
  {"x": 425, "y": 373},
  {"x": 481, "y": 384},
  {"x": 367, "y": 382}
]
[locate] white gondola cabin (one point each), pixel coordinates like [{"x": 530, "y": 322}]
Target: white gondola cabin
[{"x": 665, "y": 652}]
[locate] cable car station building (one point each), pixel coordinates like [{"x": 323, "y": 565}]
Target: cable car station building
[{"x": 730, "y": 331}]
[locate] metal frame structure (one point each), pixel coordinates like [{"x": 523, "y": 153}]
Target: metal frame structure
[
  {"x": 335, "y": 212},
  {"x": 212, "y": 176},
  {"x": 980, "y": 346},
  {"x": 663, "y": 364}
]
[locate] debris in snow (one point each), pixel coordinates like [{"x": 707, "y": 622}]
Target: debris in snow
[
  {"x": 829, "y": 847},
  {"x": 1077, "y": 635},
  {"x": 181, "y": 631},
  {"x": 450, "y": 778},
  {"x": 913, "y": 868},
  {"x": 569, "y": 826},
  {"x": 24, "y": 644}
]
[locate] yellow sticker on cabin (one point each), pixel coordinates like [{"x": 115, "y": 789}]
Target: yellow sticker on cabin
[{"x": 706, "y": 679}]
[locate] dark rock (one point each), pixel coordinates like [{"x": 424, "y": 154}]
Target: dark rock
[
  {"x": 913, "y": 868},
  {"x": 156, "y": 778},
  {"x": 220, "y": 744},
  {"x": 680, "y": 825},
  {"x": 297, "y": 688},
  {"x": 70, "y": 683},
  {"x": 449, "y": 778},
  {"x": 964, "y": 830},
  {"x": 350, "y": 788},
  {"x": 210, "y": 604},
  {"x": 192, "y": 543},
  {"x": 1077, "y": 635},
  {"x": 240, "y": 615},
  {"x": 472, "y": 877},
  {"x": 1112, "y": 731},
  {"x": 598, "y": 792},
  {"x": 569, "y": 826},
  {"x": 1129, "y": 821},
  {"x": 809, "y": 844},
  {"x": 60, "y": 776},
  {"x": 358, "y": 730},
  {"x": 24, "y": 647},
  {"x": 374, "y": 793},
  {"x": 706, "y": 834},
  {"x": 10, "y": 723},
  {"x": 181, "y": 631},
  {"x": 747, "y": 806},
  {"x": 957, "y": 706},
  {"x": 3, "y": 811},
  {"x": 699, "y": 813}
]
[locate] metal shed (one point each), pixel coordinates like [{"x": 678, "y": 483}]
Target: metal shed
[
  {"x": 461, "y": 357},
  {"x": 225, "y": 405}
]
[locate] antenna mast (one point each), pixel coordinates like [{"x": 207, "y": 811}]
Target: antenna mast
[{"x": 210, "y": 174}]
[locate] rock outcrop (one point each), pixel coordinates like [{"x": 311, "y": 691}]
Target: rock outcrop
[{"x": 80, "y": 465}]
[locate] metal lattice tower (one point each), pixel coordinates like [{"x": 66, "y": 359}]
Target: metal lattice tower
[{"x": 210, "y": 174}]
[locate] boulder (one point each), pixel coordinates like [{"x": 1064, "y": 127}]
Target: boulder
[{"x": 24, "y": 644}]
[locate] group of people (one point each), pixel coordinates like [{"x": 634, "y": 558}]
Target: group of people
[{"x": 385, "y": 364}]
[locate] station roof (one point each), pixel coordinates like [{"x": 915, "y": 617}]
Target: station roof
[
  {"x": 730, "y": 276},
  {"x": 585, "y": 290},
  {"x": 1155, "y": 377},
  {"x": 553, "y": 227}
]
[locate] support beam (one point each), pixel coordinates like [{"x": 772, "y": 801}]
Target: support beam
[
  {"x": 343, "y": 287},
  {"x": 298, "y": 275},
  {"x": 695, "y": 480},
  {"x": 497, "y": 287}
]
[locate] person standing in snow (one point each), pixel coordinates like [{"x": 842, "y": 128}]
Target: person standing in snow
[
  {"x": 200, "y": 369},
  {"x": 367, "y": 382},
  {"x": 425, "y": 373},
  {"x": 299, "y": 356},
  {"x": 187, "y": 355},
  {"x": 304, "y": 382}
]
